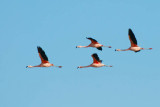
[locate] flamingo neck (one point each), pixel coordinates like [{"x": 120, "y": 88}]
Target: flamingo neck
[
  {"x": 33, "y": 66},
  {"x": 146, "y": 48},
  {"x": 84, "y": 66},
  {"x": 58, "y": 66},
  {"x": 108, "y": 65},
  {"x": 122, "y": 49},
  {"x": 82, "y": 46},
  {"x": 106, "y": 46}
]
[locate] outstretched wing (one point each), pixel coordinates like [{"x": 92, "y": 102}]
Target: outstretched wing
[
  {"x": 96, "y": 58},
  {"x": 93, "y": 40},
  {"x": 132, "y": 38},
  {"x": 42, "y": 55}
]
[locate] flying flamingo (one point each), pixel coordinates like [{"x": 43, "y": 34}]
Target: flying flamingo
[
  {"x": 96, "y": 62},
  {"x": 134, "y": 47},
  {"x": 94, "y": 44},
  {"x": 44, "y": 60}
]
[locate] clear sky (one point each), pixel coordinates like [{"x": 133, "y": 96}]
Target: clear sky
[{"x": 58, "y": 26}]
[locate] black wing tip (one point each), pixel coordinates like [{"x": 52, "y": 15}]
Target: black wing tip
[
  {"x": 41, "y": 51},
  {"x": 38, "y": 47},
  {"x": 132, "y": 36},
  {"x": 89, "y": 38},
  {"x": 95, "y": 55},
  {"x": 100, "y": 48},
  {"x": 130, "y": 31}
]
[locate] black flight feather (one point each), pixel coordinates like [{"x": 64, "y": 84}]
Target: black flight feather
[
  {"x": 99, "y": 48},
  {"x": 96, "y": 57},
  {"x": 41, "y": 51},
  {"x": 132, "y": 36},
  {"x": 91, "y": 39}
]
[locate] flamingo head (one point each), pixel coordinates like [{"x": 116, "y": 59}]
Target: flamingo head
[{"x": 79, "y": 67}]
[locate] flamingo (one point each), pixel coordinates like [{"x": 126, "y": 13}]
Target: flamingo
[
  {"x": 94, "y": 44},
  {"x": 96, "y": 62},
  {"x": 134, "y": 47},
  {"x": 44, "y": 60}
]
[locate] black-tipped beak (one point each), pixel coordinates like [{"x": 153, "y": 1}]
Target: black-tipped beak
[{"x": 26, "y": 66}]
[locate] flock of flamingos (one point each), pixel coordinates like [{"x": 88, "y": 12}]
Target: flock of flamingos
[{"x": 96, "y": 61}]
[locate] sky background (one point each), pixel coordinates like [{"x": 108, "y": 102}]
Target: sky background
[{"x": 58, "y": 26}]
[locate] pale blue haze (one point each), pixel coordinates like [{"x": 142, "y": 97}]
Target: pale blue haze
[{"x": 58, "y": 26}]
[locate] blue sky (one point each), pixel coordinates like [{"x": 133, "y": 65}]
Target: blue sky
[{"x": 58, "y": 26}]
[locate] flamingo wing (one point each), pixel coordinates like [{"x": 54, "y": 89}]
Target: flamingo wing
[
  {"x": 99, "y": 48},
  {"x": 42, "y": 55},
  {"x": 96, "y": 58},
  {"x": 132, "y": 38},
  {"x": 93, "y": 40}
]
